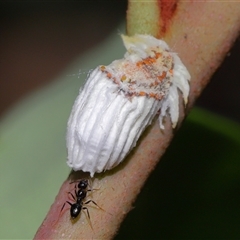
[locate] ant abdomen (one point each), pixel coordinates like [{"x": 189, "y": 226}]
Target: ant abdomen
[{"x": 75, "y": 210}]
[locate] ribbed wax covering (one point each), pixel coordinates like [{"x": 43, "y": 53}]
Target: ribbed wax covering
[
  {"x": 120, "y": 100},
  {"x": 105, "y": 124}
]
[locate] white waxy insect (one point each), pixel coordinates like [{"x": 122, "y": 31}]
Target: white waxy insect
[{"x": 120, "y": 100}]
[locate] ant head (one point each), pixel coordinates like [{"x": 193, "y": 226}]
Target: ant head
[{"x": 83, "y": 184}]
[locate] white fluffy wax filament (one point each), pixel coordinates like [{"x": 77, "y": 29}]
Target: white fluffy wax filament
[{"x": 120, "y": 100}]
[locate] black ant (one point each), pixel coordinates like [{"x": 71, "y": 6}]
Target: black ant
[{"x": 80, "y": 195}]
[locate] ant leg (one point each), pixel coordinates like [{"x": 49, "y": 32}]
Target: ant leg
[
  {"x": 77, "y": 181},
  {"x": 90, "y": 185},
  {"x": 75, "y": 193},
  {"x": 92, "y": 189},
  {"x": 85, "y": 208},
  {"x": 88, "y": 219},
  {"x": 63, "y": 206},
  {"x": 69, "y": 203},
  {"x": 72, "y": 195},
  {"x": 75, "y": 185},
  {"x": 93, "y": 203}
]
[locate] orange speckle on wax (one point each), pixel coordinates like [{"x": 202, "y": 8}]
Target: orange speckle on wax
[
  {"x": 142, "y": 94},
  {"x": 139, "y": 64},
  {"x": 149, "y": 60},
  {"x": 161, "y": 77},
  {"x": 152, "y": 95},
  {"x": 109, "y": 75},
  {"x": 146, "y": 61},
  {"x": 123, "y": 78},
  {"x": 102, "y": 68},
  {"x": 158, "y": 55},
  {"x": 155, "y": 95}
]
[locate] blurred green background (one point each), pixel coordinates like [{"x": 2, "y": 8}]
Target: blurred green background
[{"x": 47, "y": 51}]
